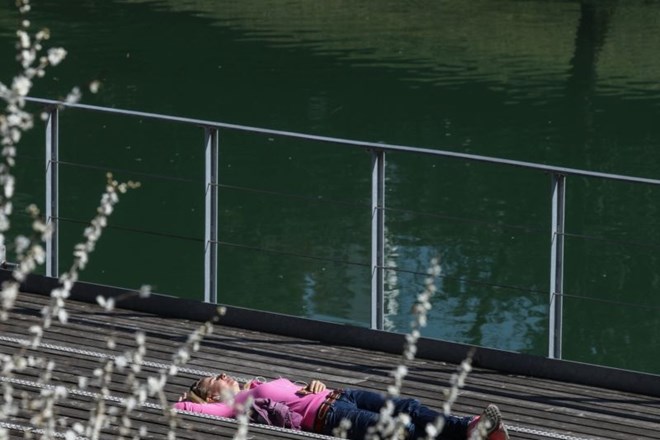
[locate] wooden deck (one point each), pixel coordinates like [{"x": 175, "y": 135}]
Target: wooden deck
[{"x": 533, "y": 408}]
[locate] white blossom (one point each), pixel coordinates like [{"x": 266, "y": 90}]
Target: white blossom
[
  {"x": 21, "y": 243},
  {"x": 145, "y": 291},
  {"x": 36, "y": 330},
  {"x": 155, "y": 385},
  {"x": 94, "y": 86},
  {"x": 182, "y": 356},
  {"x": 74, "y": 96},
  {"x": 22, "y": 85},
  {"x": 121, "y": 361},
  {"x": 62, "y": 316},
  {"x": 23, "y": 39},
  {"x": 9, "y": 189},
  {"x": 56, "y": 55}
]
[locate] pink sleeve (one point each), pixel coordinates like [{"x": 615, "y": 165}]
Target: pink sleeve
[
  {"x": 213, "y": 409},
  {"x": 254, "y": 383}
]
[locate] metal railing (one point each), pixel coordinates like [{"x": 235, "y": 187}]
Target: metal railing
[{"x": 378, "y": 150}]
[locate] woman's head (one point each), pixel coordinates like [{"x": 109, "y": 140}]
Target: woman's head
[{"x": 213, "y": 388}]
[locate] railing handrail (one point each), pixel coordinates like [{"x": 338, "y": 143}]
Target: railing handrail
[
  {"x": 378, "y": 151},
  {"x": 566, "y": 171}
]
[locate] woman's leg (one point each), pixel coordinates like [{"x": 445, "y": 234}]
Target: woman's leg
[
  {"x": 367, "y": 405},
  {"x": 454, "y": 427},
  {"x": 347, "y": 408}
]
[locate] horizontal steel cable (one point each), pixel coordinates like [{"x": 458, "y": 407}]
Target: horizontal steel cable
[
  {"x": 461, "y": 220},
  {"x": 136, "y": 230},
  {"x": 469, "y": 281},
  {"x": 100, "y": 355},
  {"x": 467, "y": 220},
  {"x": 31, "y": 430},
  {"x": 363, "y": 204},
  {"x": 389, "y": 268},
  {"x": 125, "y": 171},
  {"x": 318, "y": 198},
  {"x": 303, "y": 197}
]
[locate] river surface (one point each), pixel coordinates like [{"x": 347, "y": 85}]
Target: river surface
[{"x": 566, "y": 83}]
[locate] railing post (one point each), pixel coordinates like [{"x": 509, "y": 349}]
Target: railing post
[
  {"x": 377, "y": 237},
  {"x": 557, "y": 267},
  {"x": 211, "y": 216},
  {"x": 52, "y": 191}
]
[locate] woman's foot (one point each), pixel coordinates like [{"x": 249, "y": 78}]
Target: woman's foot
[{"x": 488, "y": 425}]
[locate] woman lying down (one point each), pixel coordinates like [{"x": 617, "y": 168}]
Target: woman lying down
[{"x": 315, "y": 408}]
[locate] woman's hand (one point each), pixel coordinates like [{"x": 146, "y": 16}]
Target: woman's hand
[
  {"x": 315, "y": 386},
  {"x": 184, "y": 397}
]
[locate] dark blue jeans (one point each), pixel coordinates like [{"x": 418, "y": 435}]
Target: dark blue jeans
[{"x": 362, "y": 409}]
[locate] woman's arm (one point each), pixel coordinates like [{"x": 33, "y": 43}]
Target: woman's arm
[
  {"x": 315, "y": 386},
  {"x": 213, "y": 409}
]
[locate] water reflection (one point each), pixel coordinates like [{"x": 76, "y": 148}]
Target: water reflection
[
  {"x": 436, "y": 39},
  {"x": 568, "y": 83},
  {"x": 467, "y": 307}
]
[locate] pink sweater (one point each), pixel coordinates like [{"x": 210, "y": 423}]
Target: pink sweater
[{"x": 279, "y": 390}]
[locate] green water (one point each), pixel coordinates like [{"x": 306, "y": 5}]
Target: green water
[{"x": 557, "y": 82}]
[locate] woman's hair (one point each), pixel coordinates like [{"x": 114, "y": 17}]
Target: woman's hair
[{"x": 197, "y": 392}]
